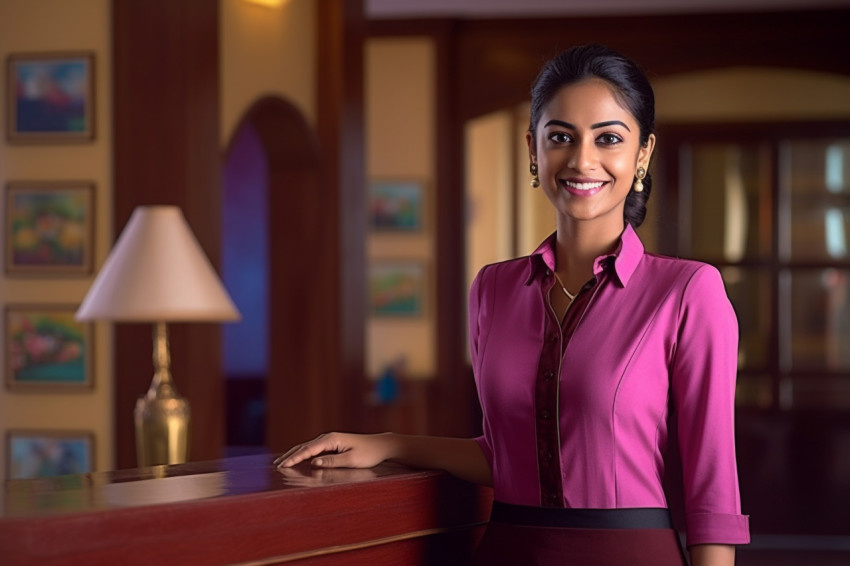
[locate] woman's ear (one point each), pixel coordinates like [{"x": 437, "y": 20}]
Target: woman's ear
[
  {"x": 645, "y": 152},
  {"x": 532, "y": 147}
]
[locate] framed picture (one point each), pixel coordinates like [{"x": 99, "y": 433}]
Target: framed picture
[
  {"x": 47, "y": 453},
  {"x": 49, "y": 228},
  {"x": 50, "y": 97},
  {"x": 396, "y": 289},
  {"x": 47, "y": 349},
  {"x": 396, "y": 205}
]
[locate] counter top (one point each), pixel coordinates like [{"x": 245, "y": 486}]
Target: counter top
[{"x": 240, "y": 511}]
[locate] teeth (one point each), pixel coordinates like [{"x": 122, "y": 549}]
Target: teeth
[{"x": 583, "y": 186}]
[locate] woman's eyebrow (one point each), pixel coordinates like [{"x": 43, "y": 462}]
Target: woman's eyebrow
[
  {"x": 610, "y": 123},
  {"x": 569, "y": 126}
]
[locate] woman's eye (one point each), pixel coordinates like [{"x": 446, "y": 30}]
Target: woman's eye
[
  {"x": 609, "y": 139},
  {"x": 560, "y": 138}
]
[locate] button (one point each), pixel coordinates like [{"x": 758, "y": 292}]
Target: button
[
  {"x": 545, "y": 414},
  {"x": 548, "y": 273},
  {"x": 549, "y": 375},
  {"x": 553, "y": 497},
  {"x": 549, "y": 455},
  {"x": 553, "y": 337}
]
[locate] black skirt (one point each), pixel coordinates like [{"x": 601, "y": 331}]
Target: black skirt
[{"x": 523, "y": 535}]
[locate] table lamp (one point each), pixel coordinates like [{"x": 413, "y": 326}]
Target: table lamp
[{"x": 158, "y": 273}]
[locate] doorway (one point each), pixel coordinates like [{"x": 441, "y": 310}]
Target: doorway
[{"x": 274, "y": 212}]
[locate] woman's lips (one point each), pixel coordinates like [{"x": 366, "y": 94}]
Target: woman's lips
[{"x": 584, "y": 188}]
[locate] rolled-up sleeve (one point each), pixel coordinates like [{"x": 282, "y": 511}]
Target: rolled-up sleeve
[{"x": 704, "y": 371}]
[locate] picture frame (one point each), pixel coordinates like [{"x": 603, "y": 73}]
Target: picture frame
[
  {"x": 397, "y": 289},
  {"x": 48, "y": 453},
  {"x": 50, "y": 97},
  {"x": 396, "y": 205},
  {"x": 49, "y": 228},
  {"x": 47, "y": 350}
]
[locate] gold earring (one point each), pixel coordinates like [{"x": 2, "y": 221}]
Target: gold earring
[
  {"x": 638, "y": 186},
  {"x": 535, "y": 181}
]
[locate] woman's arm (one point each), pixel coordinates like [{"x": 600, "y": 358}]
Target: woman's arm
[
  {"x": 461, "y": 457},
  {"x": 712, "y": 555}
]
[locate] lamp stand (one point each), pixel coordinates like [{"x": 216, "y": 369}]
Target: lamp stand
[{"x": 161, "y": 415}]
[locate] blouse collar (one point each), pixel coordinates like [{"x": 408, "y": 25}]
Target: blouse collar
[{"x": 625, "y": 259}]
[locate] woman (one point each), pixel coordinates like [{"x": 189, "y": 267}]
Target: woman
[{"x": 591, "y": 357}]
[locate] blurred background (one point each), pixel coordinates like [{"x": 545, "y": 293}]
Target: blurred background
[{"x": 348, "y": 165}]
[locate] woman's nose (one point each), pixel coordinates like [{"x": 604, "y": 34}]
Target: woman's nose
[{"x": 583, "y": 157}]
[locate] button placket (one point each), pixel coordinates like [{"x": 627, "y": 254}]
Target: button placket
[
  {"x": 546, "y": 401},
  {"x": 556, "y": 336}
]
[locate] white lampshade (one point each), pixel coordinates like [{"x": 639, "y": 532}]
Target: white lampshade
[{"x": 157, "y": 272}]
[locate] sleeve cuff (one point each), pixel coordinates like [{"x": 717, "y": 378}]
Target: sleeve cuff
[{"x": 718, "y": 528}]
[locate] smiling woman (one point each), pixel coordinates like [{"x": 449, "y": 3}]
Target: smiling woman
[
  {"x": 588, "y": 146},
  {"x": 599, "y": 367}
]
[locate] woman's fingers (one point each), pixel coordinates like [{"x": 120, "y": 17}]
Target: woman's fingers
[
  {"x": 337, "y": 450},
  {"x": 305, "y": 451}
]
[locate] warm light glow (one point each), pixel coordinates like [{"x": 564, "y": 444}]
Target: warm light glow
[{"x": 267, "y": 3}]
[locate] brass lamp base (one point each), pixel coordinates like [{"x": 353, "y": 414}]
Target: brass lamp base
[
  {"x": 162, "y": 430},
  {"x": 161, "y": 415}
]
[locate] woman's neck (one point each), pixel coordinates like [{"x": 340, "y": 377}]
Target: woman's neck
[{"x": 578, "y": 245}]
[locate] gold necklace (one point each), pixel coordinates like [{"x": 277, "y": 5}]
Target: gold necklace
[{"x": 569, "y": 295}]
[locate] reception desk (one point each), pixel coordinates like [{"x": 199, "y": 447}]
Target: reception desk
[{"x": 242, "y": 511}]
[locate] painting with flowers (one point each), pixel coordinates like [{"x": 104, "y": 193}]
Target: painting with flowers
[
  {"x": 50, "y": 97},
  {"x": 49, "y": 228},
  {"x": 46, "y": 347}
]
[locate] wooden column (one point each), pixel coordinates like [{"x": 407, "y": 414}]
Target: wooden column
[
  {"x": 166, "y": 127},
  {"x": 341, "y": 136}
]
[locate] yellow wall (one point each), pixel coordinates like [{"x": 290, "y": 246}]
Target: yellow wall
[
  {"x": 59, "y": 25},
  {"x": 489, "y": 189},
  {"x": 266, "y": 51},
  {"x": 399, "y": 115}
]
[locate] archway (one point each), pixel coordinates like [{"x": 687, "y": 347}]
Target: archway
[{"x": 284, "y": 263}]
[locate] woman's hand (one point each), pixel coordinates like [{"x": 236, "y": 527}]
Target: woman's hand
[
  {"x": 459, "y": 456},
  {"x": 311, "y": 477},
  {"x": 340, "y": 450}
]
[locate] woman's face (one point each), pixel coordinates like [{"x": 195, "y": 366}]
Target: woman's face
[{"x": 587, "y": 150}]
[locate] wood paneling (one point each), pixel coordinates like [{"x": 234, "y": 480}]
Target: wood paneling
[{"x": 166, "y": 128}]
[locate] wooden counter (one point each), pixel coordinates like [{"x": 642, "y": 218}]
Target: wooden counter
[{"x": 242, "y": 511}]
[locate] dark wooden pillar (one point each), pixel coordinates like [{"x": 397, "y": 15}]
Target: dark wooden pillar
[
  {"x": 166, "y": 128},
  {"x": 340, "y": 128}
]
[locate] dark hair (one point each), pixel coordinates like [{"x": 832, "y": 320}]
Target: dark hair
[{"x": 631, "y": 89}]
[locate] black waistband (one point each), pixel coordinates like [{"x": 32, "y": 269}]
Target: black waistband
[{"x": 630, "y": 518}]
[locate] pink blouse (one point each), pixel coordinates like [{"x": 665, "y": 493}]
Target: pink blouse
[{"x": 648, "y": 350}]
